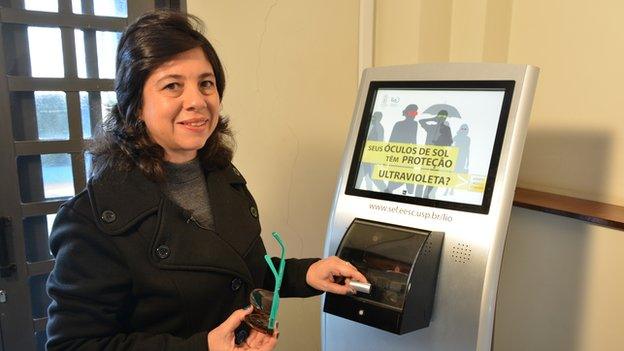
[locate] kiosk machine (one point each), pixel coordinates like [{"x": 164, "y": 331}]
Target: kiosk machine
[{"x": 422, "y": 205}]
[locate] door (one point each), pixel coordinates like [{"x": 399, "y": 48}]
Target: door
[{"x": 56, "y": 81}]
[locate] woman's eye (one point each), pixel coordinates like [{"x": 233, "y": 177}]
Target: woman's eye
[
  {"x": 207, "y": 85},
  {"x": 172, "y": 86}
]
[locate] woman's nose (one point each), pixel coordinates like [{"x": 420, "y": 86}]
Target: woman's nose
[{"x": 193, "y": 98}]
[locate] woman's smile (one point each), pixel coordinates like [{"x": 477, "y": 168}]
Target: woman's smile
[{"x": 195, "y": 124}]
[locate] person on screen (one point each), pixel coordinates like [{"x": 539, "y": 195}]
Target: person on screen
[
  {"x": 162, "y": 249},
  {"x": 405, "y": 132},
  {"x": 438, "y": 133},
  {"x": 462, "y": 142},
  {"x": 375, "y": 133}
]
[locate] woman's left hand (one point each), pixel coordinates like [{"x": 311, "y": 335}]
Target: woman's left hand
[{"x": 322, "y": 275}]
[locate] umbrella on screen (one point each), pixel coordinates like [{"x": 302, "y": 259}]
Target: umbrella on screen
[{"x": 434, "y": 109}]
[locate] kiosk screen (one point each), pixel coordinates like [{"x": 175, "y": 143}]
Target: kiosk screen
[{"x": 431, "y": 143}]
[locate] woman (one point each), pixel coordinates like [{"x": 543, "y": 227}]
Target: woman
[{"x": 162, "y": 249}]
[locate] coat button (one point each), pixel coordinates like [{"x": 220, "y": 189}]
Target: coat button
[
  {"x": 236, "y": 284},
  {"x": 254, "y": 211},
  {"x": 109, "y": 216},
  {"x": 163, "y": 251}
]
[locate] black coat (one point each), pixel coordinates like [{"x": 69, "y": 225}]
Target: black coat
[{"x": 134, "y": 273}]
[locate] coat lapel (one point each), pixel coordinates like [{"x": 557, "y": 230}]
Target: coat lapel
[
  {"x": 128, "y": 196},
  {"x": 132, "y": 197},
  {"x": 234, "y": 211},
  {"x": 193, "y": 248}
]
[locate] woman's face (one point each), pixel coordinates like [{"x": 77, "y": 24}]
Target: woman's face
[{"x": 181, "y": 105}]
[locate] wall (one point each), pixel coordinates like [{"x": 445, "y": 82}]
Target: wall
[
  {"x": 292, "y": 75},
  {"x": 572, "y": 148},
  {"x": 577, "y": 130},
  {"x": 291, "y": 85},
  {"x": 561, "y": 287},
  {"x": 576, "y": 126},
  {"x": 411, "y": 31}
]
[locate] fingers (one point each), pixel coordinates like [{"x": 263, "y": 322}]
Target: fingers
[
  {"x": 338, "y": 289},
  {"x": 260, "y": 341},
  {"x": 252, "y": 338},
  {"x": 235, "y": 319},
  {"x": 346, "y": 269},
  {"x": 328, "y": 275},
  {"x": 271, "y": 343}
]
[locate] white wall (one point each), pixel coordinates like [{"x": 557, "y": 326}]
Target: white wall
[
  {"x": 561, "y": 286},
  {"x": 577, "y": 129}
]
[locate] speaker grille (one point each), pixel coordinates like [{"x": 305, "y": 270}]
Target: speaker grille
[
  {"x": 426, "y": 249},
  {"x": 460, "y": 253}
]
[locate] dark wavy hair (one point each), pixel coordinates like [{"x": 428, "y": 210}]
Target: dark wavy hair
[{"x": 122, "y": 142}]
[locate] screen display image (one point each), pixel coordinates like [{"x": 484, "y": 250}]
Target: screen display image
[{"x": 433, "y": 144}]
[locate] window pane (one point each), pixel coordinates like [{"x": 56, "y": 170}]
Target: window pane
[
  {"x": 38, "y": 297},
  {"x": 41, "y": 5},
  {"x": 51, "y": 109},
  {"x": 57, "y": 175},
  {"x": 46, "y": 53},
  {"x": 41, "y": 338},
  {"x": 112, "y": 8},
  {"x": 58, "y": 179},
  {"x": 24, "y": 115},
  {"x": 36, "y": 233},
  {"x": 81, "y": 60},
  {"x": 77, "y": 6},
  {"x": 85, "y": 112},
  {"x": 88, "y": 164},
  {"x": 109, "y": 98},
  {"x": 94, "y": 107},
  {"x": 106, "y": 50},
  {"x": 43, "y": 177},
  {"x": 50, "y": 221}
]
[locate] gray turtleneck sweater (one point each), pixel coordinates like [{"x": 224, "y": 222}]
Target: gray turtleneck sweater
[{"x": 186, "y": 186}]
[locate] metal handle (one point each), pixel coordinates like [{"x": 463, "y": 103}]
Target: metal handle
[
  {"x": 364, "y": 288},
  {"x": 6, "y": 268}
]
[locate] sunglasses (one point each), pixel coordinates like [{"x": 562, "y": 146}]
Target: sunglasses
[{"x": 266, "y": 303}]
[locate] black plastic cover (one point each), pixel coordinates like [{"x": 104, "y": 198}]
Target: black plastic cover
[{"x": 401, "y": 263}]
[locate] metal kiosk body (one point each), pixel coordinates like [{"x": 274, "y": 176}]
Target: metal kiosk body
[{"x": 432, "y": 148}]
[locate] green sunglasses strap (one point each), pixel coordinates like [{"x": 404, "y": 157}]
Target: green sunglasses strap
[{"x": 279, "y": 274}]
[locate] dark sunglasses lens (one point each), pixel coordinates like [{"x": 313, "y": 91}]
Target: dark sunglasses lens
[
  {"x": 261, "y": 301},
  {"x": 259, "y": 322}
]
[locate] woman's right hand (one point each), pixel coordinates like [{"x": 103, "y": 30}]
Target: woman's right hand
[{"x": 222, "y": 337}]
